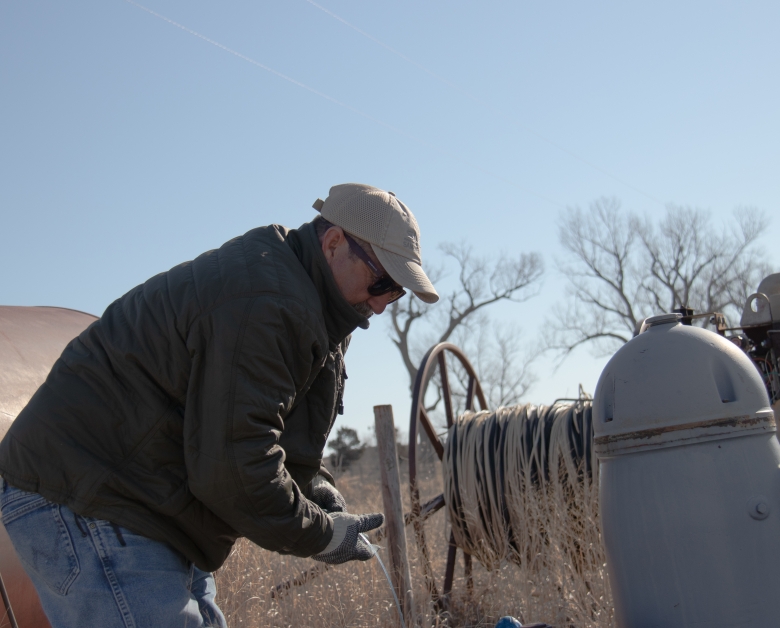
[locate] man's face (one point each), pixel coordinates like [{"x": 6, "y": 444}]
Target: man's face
[{"x": 352, "y": 275}]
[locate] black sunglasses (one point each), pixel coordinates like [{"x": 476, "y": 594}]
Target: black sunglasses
[{"x": 384, "y": 282}]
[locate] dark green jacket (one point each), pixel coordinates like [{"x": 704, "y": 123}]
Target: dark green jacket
[{"x": 197, "y": 408}]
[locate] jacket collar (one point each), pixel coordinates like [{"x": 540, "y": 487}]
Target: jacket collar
[{"x": 341, "y": 318}]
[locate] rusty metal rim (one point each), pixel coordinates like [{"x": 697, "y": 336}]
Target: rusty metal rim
[
  {"x": 605, "y": 452},
  {"x": 671, "y": 435}
]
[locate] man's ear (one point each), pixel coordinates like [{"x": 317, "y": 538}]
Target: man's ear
[{"x": 331, "y": 240}]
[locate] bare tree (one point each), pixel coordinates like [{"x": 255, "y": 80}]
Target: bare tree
[
  {"x": 604, "y": 275},
  {"x": 502, "y": 361},
  {"x": 690, "y": 263},
  {"x": 461, "y": 317},
  {"x": 621, "y": 269}
]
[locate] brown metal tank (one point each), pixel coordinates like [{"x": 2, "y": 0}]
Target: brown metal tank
[{"x": 31, "y": 340}]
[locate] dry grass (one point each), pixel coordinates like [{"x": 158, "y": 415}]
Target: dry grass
[{"x": 557, "y": 574}]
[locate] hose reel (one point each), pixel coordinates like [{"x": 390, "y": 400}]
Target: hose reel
[{"x": 494, "y": 463}]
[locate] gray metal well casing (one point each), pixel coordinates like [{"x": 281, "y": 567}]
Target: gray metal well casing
[{"x": 689, "y": 482}]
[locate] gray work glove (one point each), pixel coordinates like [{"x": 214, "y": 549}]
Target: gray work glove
[
  {"x": 325, "y": 495},
  {"x": 346, "y": 544}
]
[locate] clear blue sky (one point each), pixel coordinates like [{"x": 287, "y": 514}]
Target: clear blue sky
[{"x": 128, "y": 145}]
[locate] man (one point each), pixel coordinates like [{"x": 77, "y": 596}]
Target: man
[{"x": 195, "y": 411}]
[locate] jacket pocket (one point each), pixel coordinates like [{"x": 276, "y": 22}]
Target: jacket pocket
[{"x": 40, "y": 537}]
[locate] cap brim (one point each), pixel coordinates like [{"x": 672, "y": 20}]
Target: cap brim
[{"x": 407, "y": 273}]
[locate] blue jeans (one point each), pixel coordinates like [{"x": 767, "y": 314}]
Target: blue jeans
[{"x": 90, "y": 572}]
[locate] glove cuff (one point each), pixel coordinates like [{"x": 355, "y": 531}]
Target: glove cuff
[
  {"x": 340, "y": 525},
  {"x": 319, "y": 480}
]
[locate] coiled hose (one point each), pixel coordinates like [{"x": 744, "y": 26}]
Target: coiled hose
[{"x": 511, "y": 474}]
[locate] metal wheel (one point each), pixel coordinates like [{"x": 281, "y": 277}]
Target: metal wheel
[{"x": 436, "y": 357}]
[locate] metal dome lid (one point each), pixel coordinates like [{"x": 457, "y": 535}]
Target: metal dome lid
[{"x": 675, "y": 384}]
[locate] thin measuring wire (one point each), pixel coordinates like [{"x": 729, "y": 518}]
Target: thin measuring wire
[
  {"x": 354, "y": 110},
  {"x": 375, "y": 550},
  {"x": 483, "y": 103}
]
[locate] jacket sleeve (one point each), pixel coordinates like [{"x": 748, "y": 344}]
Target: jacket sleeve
[{"x": 250, "y": 358}]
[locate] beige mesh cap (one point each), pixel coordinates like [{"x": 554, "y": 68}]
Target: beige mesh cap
[{"x": 381, "y": 219}]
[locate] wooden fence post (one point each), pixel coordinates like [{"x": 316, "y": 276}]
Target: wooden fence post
[{"x": 394, "y": 514}]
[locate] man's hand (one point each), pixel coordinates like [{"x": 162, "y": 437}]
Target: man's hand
[
  {"x": 325, "y": 495},
  {"x": 346, "y": 544}
]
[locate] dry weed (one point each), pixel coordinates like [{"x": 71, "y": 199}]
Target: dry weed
[{"x": 557, "y": 574}]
